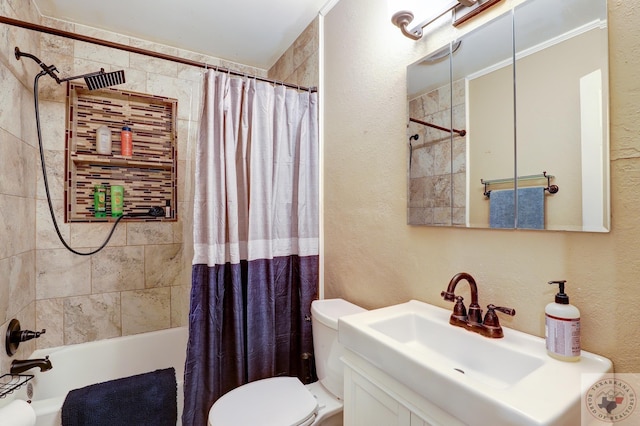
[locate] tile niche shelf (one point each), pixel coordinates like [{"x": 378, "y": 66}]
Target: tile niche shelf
[{"x": 149, "y": 176}]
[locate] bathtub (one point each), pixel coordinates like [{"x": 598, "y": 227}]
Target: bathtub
[{"x": 76, "y": 366}]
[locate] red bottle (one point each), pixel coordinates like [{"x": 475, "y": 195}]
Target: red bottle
[{"x": 126, "y": 142}]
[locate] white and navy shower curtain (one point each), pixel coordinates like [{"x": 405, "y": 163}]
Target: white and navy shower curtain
[{"x": 255, "y": 265}]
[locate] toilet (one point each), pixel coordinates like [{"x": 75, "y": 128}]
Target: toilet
[{"x": 285, "y": 401}]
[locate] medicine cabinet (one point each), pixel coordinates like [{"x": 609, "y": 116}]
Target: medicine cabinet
[
  {"x": 149, "y": 176},
  {"x": 523, "y": 100}
]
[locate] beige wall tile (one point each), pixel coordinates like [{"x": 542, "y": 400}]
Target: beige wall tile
[
  {"x": 95, "y": 234},
  {"x": 180, "y": 300},
  {"x": 17, "y": 218},
  {"x": 163, "y": 265},
  {"x": 94, "y": 317},
  {"x": 19, "y": 272},
  {"x": 117, "y": 269},
  {"x": 146, "y": 310},
  {"x": 62, "y": 274},
  {"x": 149, "y": 233},
  {"x": 46, "y": 236},
  {"x": 18, "y": 162},
  {"x": 50, "y": 316}
]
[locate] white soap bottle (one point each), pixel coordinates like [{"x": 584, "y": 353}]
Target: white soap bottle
[
  {"x": 103, "y": 140},
  {"x": 562, "y": 327}
]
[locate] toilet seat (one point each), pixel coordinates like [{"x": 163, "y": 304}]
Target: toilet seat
[{"x": 278, "y": 401}]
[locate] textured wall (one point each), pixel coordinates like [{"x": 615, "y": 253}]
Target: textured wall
[{"x": 373, "y": 258}]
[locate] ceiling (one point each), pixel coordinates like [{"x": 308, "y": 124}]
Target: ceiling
[{"x": 250, "y": 32}]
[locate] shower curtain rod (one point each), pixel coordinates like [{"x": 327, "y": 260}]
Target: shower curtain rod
[
  {"x": 132, "y": 49},
  {"x": 435, "y": 126}
]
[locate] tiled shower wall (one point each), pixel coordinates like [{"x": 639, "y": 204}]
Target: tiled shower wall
[
  {"x": 18, "y": 169},
  {"x": 437, "y": 167},
  {"x": 141, "y": 281},
  {"x": 300, "y": 64}
]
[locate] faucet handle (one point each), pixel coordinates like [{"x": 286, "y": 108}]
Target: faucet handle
[
  {"x": 508, "y": 311},
  {"x": 491, "y": 319}
]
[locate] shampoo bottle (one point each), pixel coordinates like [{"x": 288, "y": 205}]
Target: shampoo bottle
[
  {"x": 126, "y": 142},
  {"x": 103, "y": 140},
  {"x": 562, "y": 327}
]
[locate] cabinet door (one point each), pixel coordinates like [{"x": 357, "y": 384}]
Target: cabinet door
[{"x": 367, "y": 405}]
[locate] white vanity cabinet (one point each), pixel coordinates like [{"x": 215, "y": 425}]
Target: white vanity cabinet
[{"x": 373, "y": 398}]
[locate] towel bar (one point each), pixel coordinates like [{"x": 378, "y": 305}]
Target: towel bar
[{"x": 551, "y": 188}]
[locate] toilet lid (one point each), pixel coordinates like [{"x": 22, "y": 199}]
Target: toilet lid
[{"x": 279, "y": 401}]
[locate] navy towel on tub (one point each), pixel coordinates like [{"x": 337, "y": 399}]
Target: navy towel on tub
[{"x": 147, "y": 399}]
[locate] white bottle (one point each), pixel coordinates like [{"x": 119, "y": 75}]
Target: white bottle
[
  {"x": 562, "y": 327},
  {"x": 103, "y": 140}
]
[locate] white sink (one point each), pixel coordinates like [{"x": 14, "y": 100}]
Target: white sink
[{"x": 479, "y": 380}]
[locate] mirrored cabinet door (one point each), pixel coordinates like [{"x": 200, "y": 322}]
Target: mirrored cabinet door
[
  {"x": 483, "y": 68},
  {"x": 562, "y": 110},
  {"x": 431, "y": 145}
]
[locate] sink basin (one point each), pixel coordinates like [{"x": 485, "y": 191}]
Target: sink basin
[
  {"x": 479, "y": 380},
  {"x": 485, "y": 361}
]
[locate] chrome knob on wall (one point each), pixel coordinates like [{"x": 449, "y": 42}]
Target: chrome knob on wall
[{"x": 15, "y": 335}]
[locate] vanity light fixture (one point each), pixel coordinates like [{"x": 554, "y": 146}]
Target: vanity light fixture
[
  {"x": 403, "y": 18},
  {"x": 404, "y": 12}
]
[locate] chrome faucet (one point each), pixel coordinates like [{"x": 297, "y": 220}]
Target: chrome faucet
[
  {"x": 19, "y": 366},
  {"x": 472, "y": 320}
]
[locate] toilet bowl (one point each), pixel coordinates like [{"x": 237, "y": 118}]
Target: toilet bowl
[{"x": 285, "y": 401}]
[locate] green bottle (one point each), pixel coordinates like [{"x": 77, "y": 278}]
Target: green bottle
[
  {"x": 100, "y": 201},
  {"x": 117, "y": 200}
]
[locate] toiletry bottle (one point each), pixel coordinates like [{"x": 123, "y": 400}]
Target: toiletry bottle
[
  {"x": 100, "y": 201},
  {"x": 126, "y": 142},
  {"x": 117, "y": 200},
  {"x": 562, "y": 327},
  {"x": 103, "y": 140},
  {"x": 167, "y": 209}
]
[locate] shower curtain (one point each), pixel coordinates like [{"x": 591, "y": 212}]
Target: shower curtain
[{"x": 255, "y": 265}]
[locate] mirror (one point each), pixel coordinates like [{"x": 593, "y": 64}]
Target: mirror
[{"x": 550, "y": 128}]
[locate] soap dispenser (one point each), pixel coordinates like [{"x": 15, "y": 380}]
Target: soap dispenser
[{"x": 562, "y": 327}]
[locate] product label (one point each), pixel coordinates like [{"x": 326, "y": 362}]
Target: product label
[{"x": 563, "y": 335}]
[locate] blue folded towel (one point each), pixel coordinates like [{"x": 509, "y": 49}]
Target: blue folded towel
[
  {"x": 147, "y": 399},
  {"x": 501, "y": 209},
  {"x": 530, "y": 208}
]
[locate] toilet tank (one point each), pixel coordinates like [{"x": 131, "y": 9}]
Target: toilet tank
[{"x": 324, "y": 320}]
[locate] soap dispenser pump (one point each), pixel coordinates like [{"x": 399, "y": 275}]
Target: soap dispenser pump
[{"x": 562, "y": 327}]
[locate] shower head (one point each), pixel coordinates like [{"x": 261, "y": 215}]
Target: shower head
[
  {"x": 94, "y": 80},
  {"x": 100, "y": 79}
]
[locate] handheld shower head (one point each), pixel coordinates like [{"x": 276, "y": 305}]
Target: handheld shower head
[
  {"x": 153, "y": 212},
  {"x": 94, "y": 80}
]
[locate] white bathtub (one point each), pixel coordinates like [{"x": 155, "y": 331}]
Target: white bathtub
[{"x": 76, "y": 366}]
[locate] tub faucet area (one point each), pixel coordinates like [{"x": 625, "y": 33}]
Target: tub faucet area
[
  {"x": 472, "y": 319},
  {"x": 19, "y": 366}
]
